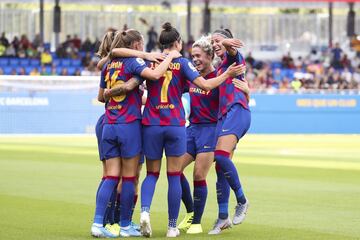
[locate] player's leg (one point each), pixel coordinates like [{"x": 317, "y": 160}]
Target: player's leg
[
  {"x": 225, "y": 145},
  {"x": 153, "y": 146},
  {"x": 175, "y": 148},
  {"x": 129, "y": 171},
  {"x": 202, "y": 166},
  {"x": 186, "y": 196},
  {"x": 106, "y": 191}
]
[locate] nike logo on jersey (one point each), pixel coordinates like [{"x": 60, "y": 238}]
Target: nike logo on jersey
[
  {"x": 225, "y": 130},
  {"x": 207, "y": 147}
]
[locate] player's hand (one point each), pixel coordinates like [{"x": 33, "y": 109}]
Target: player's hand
[
  {"x": 155, "y": 57},
  {"x": 107, "y": 94},
  {"x": 232, "y": 43},
  {"x": 243, "y": 85},
  {"x": 174, "y": 54},
  {"x": 236, "y": 70}
]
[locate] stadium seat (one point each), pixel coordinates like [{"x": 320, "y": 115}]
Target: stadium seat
[
  {"x": 7, "y": 70},
  {"x": 24, "y": 62},
  {"x": 35, "y": 62},
  {"x": 71, "y": 70},
  {"x": 14, "y": 62},
  {"x": 28, "y": 69},
  {"x": 4, "y": 62},
  {"x": 56, "y": 62},
  {"x": 76, "y": 62},
  {"x": 65, "y": 62}
]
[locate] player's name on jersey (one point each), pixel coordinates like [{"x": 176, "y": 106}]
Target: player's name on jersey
[
  {"x": 165, "y": 106},
  {"x": 198, "y": 90},
  {"x": 114, "y": 65},
  {"x": 172, "y": 66}
]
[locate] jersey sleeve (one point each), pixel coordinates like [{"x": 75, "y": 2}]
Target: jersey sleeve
[
  {"x": 188, "y": 70},
  {"x": 137, "y": 65},
  {"x": 238, "y": 58},
  {"x": 103, "y": 76}
]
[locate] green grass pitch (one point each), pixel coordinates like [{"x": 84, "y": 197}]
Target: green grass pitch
[{"x": 299, "y": 187}]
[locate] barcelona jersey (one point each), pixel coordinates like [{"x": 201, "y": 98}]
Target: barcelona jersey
[
  {"x": 229, "y": 94},
  {"x": 127, "y": 107},
  {"x": 163, "y": 105},
  {"x": 204, "y": 104}
]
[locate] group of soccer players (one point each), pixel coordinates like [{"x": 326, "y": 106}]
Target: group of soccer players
[{"x": 219, "y": 117}]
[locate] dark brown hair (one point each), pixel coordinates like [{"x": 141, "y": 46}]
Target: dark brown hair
[
  {"x": 168, "y": 36},
  {"x": 225, "y": 32}
]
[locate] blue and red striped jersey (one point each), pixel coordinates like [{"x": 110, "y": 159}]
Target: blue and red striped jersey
[
  {"x": 125, "y": 108},
  {"x": 229, "y": 94},
  {"x": 163, "y": 105},
  {"x": 204, "y": 104}
]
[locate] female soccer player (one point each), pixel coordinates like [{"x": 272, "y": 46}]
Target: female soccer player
[
  {"x": 234, "y": 122},
  {"x": 200, "y": 135},
  {"x": 164, "y": 122},
  {"x": 121, "y": 138}
]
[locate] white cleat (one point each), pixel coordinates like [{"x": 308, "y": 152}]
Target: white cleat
[
  {"x": 240, "y": 213},
  {"x": 145, "y": 227},
  {"x": 220, "y": 224},
  {"x": 172, "y": 232}
]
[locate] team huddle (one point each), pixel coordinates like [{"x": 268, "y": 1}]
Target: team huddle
[{"x": 219, "y": 118}]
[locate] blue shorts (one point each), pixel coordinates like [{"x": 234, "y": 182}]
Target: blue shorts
[
  {"x": 142, "y": 158},
  {"x": 156, "y": 138},
  {"x": 200, "y": 138},
  {"x": 98, "y": 131},
  {"x": 122, "y": 140},
  {"x": 236, "y": 121}
]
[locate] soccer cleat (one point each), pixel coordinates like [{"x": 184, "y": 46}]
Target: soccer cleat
[
  {"x": 114, "y": 228},
  {"x": 102, "y": 232},
  {"x": 240, "y": 212},
  {"x": 145, "y": 227},
  {"x": 172, "y": 232},
  {"x": 186, "y": 222},
  {"x": 194, "y": 229},
  {"x": 135, "y": 226},
  {"x": 220, "y": 224},
  {"x": 129, "y": 231}
]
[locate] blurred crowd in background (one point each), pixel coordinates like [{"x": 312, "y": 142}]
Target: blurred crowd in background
[{"x": 322, "y": 68}]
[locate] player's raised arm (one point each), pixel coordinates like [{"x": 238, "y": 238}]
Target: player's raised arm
[
  {"x": 232, "y": 71},
  {"x": 159, "y": 71},
  {"x": 126, "y": 52}
]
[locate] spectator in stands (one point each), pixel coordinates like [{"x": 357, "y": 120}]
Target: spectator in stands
[
  {"x": 37, "y": 41},
  {"x": 152, "y": 39},
  {"x": 10, "y": 51},
  {"x": 86, "y": 60},
  {"x": 87, "y": 46},
  {"x": 345, "y": 62},
  {"x": 53, "y": 71},
  {"x": 22, "y": 71},
  {"x": 24, "y": 42},
  {"x": 3, "y": 40},
  {"x": 21, "y": 52},
  {"x": 44, "y": 71},
  {"x": 1, "y": 71},
  {"x": 35, "y": 72},
  {"x": 2, "y": 50},
  {"x": 13, "y": 72},
  {"x": 250, "y": 60},
  {"x": 287, "y": 61},
  {"x": 64, "y": 72},
  {"x": 46, "y": 58},
  {"x": 77, "y": 72},
  {"x": 16, "y": 43},
  {"x": 336, "y": 56},
  {"x": 76, "y": 42},
  {"x": 31, "y": 52}
]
